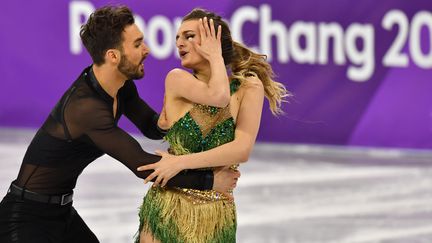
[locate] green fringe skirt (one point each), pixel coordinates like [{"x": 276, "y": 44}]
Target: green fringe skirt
[{"x": 174, "y": 215}]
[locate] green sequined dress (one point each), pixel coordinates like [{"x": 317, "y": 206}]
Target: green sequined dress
[{"x": 174, "y": 215}]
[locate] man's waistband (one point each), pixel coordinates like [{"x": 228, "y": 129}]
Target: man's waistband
[{"x": 19, "y": 192}]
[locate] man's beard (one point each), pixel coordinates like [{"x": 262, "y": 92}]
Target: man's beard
[{"x": 128, "y": 69}]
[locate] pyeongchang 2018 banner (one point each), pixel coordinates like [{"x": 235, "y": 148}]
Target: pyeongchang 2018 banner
[{"x": 360, "y": 71}]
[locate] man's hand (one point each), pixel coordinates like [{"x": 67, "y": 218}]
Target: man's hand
[
  {"x": 225, "y": 180},
  {"x": 164, "y": 170}
]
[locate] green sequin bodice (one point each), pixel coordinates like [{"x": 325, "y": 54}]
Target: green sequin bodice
[{"x": 202, "y": 128}]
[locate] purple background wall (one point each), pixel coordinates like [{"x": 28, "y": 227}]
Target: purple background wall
[{"x": 384, "y": 105}]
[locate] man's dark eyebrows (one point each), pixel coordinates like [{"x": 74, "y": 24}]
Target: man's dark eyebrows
[{"x": 140, "y": 39}]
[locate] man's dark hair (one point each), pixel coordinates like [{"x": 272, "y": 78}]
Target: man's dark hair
[{"x": 104, "y": 29}]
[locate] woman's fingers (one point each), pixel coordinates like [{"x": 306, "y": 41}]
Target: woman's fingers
[
  {"x": 157, "y": 181},
  {"x": 219, "y": 33},
  {"x": 164, "y": 182},
  {"x": 206, "y": 27},
  {"x": 146, "y": 167},
  {"x": 201, "y": 30},
  {"x": 212, "y": 29},
  {"x": 150, "y": 177}
]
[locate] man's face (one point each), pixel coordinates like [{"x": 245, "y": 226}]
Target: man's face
[{"x": 134, "y": 52}]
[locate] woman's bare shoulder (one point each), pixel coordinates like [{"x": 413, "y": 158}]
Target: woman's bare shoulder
[{"x": 253, "y": 82}]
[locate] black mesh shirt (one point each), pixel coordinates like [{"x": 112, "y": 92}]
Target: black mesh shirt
[{"x": 82, "y": 127}]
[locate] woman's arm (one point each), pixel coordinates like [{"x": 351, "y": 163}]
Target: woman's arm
[
  {"x": 182, "y": 84},
  {"x": 248, "y": 121},
  {"x": 216, "y": 92}
]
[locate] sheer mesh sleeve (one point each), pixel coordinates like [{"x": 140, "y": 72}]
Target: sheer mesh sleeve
[
  {"x": 141, "y": 114},
  {"x": 92, "y": 117}
]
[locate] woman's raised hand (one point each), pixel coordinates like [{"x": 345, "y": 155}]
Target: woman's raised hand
[{"x": 210, "y": 46}]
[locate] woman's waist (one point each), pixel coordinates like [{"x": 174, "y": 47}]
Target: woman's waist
[
  {"x": 193, "y": 195},
  {"x": 200, "y": 196}
]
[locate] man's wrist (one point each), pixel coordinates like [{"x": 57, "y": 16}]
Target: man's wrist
[{"x": 208, "y": 180}]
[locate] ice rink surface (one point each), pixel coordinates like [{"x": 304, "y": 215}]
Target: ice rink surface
[{"x": 287, "y": 193}]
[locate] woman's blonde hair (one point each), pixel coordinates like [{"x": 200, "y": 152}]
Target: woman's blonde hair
[
  {"x": 248, "y": 63},
  {"x": 245, "y": 63}
]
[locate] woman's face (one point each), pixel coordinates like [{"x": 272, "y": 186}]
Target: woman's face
[{"x": 188, "y": 33}]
